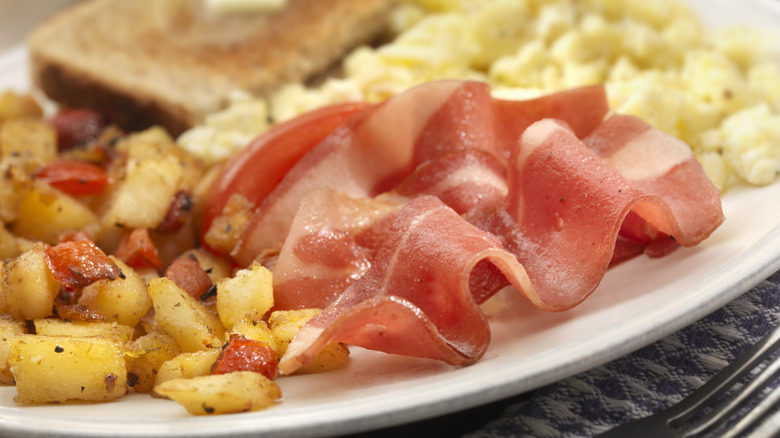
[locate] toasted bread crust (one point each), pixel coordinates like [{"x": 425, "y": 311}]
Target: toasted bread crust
[{"x": 165, "y": 62}]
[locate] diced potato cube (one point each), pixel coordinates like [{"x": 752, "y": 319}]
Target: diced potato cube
[
  {"x": 123, "y": 300},
  {"x": 215, "y": 266},
  {"x": 257, "y": 330},
  {"x": 8, "y": 328},
  {"x": 188, "y": 365},
  {"x": 28, "y": 287},
  {"x": 248, "y": 293},
  {"x": 44, "y": 213},
  {"x": 8, "y": 245},
  {"x": 14, "y": 182},
  {"x": 185, "y": 319},
  {"x": 240, "y": 391},
  {"x": 83, "y": 329},
  {"x": 57, "y": 369},
  {"x": 152, "y": 177},
  {"x": 33, "y": 140},
  {"x": 285, "y": 324},
  {"x": 145, "y": 356},
  {"x": 15, "y": 106},
  {"x": 226, "y": 228}
]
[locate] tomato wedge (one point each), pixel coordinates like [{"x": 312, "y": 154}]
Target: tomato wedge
[
  {"x": 137, "y": 250},
  {"x": 256, "y": 170},
  {"x": 76, "y": 178},
  {"x": 242, "y": 354}
]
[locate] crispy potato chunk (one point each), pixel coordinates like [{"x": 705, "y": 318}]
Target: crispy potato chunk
[
  {"x": 33, "y": 140},
  {"x": 217, "y": 267},
  {"x": 14, "y": 183},
  {"x": 248, "y": 293},
  {"x": 81, "y": 329},
  {"x": 228, "y": 226},
  {"x": 256, "y": 329},
  {"x": 241, "y": 391},
  {"x": 8, "y": 328},
  {"x": 45, "y": 213},
  {"x": 122, "y": 300},
  {"x": 15, "y": 106},
  {"x": 188, "y": 365},
  {"x": 184, "y": 318},
  {"x": 28, "y": 287},
  {"x": 9, "y": 246},
  {"x": 152, "y": 177},
  {"x": 59, "y": 368},
  {"x": 145, "y": 356},
  {"x": 285, "y": 324}
]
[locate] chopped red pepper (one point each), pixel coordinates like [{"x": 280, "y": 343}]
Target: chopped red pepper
[
  {"x": 137, "y": 250},
  {"x": 79, "y": 263},
  {"x": 77, "y": 178},
  {"x": 242, "y": 354}
]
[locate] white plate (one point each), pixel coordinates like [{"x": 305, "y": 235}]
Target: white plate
[{"x": 637, "y": 303}]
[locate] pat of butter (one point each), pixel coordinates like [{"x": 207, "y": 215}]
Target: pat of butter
[{"x": 238, "y": 7}]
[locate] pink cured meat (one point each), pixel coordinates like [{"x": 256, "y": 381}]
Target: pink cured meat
[
  {"x": 552, "y": 238},
  {"x": 566, "y": 206},
  {"x": 403, "y": 306},
  {"x": 660, "y": 164},
  {"x": 333, "y": 237},
  {"x": 379, "y": 148},
  {"x": 467, "y": 214}
]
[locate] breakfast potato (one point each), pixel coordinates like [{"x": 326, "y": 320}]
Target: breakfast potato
[
  {"x": 188, "y": 365},
  {"x": 28, "y": 288},
  {"x": 152, "y": 177},
  {"x": 284, "y": 324},
  {"x": 257, "y": 330},
  {"x": 14, "y": 180},
  {"x": 248, "y": 293},
  {"x": 8, "y": 245},
  {"x": 60, "y": 368},
  {"x": 124, "y": 300},
  {"x": 8, "y": 328},
  {"x": 226, "y": 228},
  {"x": 240, "y": 391},
  {"x": 145, "y": 357},
  {"x": 215, "y": 266},
  {"x": 55, "y": 327},
  {"x": 33, "y": 140},
  {"x": 45, "y": 213},
  {"x": 14, "y": 106},
  {"x": 185, "y": 319}
]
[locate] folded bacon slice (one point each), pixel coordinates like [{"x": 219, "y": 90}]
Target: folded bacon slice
[
  {"x": 416, "y": 298},
  {"x": 415, "y": 211},
  {"x": 379, "y": 148},
  {"x": 566, "y": 207},
  {"x": 662, "y": 165},
  {"x": 552, "y": 238}
]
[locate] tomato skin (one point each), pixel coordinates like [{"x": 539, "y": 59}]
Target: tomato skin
[
  {"x": 78, "y": 263},
  {"x": 76, "y": 126},
  {"x": 137, "y": 250},
  {"x": 256, "y": 170},
  {"x": 76, "y": 178},
  {"x": 242, "y": 354}
]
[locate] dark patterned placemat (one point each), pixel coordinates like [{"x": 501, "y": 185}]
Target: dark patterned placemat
[{"x": 645, "y": 381}]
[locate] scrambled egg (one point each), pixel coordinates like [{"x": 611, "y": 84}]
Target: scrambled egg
[{"x": 718, "y": 91}]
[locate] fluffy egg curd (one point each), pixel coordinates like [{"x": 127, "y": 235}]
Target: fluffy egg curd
[{"x": 719, "y": 91}]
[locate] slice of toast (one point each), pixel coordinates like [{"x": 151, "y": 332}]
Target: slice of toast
[{"x": 171, "y": 62}]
